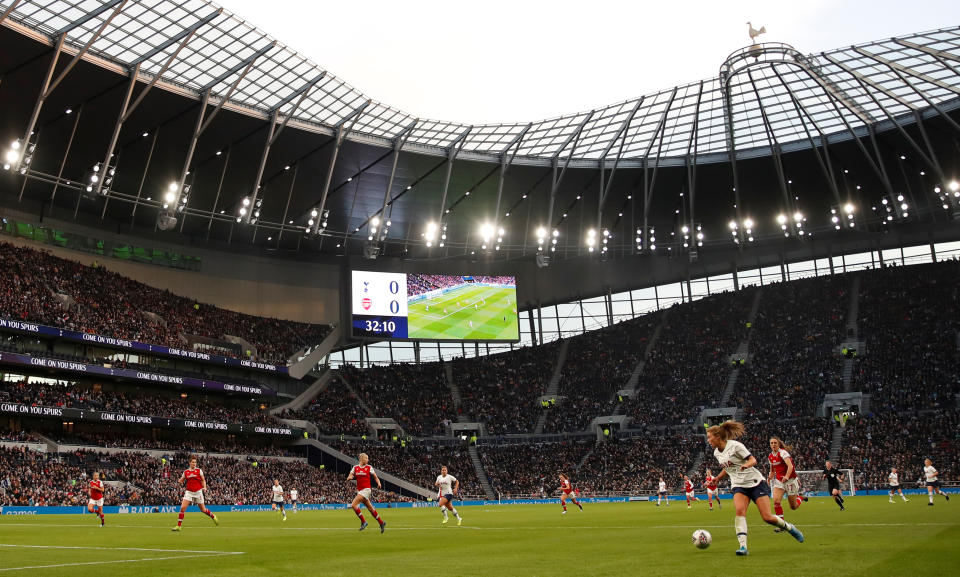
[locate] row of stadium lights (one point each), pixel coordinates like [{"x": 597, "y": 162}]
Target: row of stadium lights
[{"x": 19, "y": 157}]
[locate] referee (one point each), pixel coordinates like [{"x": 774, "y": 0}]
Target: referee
[{"x": 834, "y": 477}]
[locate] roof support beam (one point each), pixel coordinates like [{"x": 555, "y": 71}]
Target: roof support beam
[
  {"x": 186, "y": 33},
  {"x": 556, "y": 179},
  {"x": 452, "y": 152},
  {"x": 649, "y": 185},
  {"x": 273, "y": 132},
  {"x": 788, "y": 204},
  {"x": 66, "y": 153},
  {"x": 928, "y": 160},
  {"x": 216, "y": 199},
  {"x": 622, "y": 131},
  {"x": 823, "y": 160},
  {"x": 341, "y": 132},
  {"x": 9, "y": 10},
  {"x": 690, "y": 160},
  {"x": 505, "y": 163},
  {"x": 286, "y": 209},
  {"x": 143, "y": 177},
  {"x": 398, "y": 142}
]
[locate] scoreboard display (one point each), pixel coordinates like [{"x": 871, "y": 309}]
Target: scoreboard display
[{"x": 434, "y": 307}]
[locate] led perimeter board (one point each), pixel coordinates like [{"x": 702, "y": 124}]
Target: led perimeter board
[{"x": 429, "y": 307}]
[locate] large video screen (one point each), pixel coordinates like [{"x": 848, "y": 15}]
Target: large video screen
[{"x": 434, "y": 307}]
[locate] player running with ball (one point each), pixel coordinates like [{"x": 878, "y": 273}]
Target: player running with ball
[{"x": 746, "y": 482}]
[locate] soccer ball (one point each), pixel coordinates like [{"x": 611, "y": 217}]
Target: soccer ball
[{"x": 702, "y": 539}]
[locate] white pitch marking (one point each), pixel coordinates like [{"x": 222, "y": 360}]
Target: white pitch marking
[
  {"x": 483, "y": 297},
  {"x": 192, "y": 554},
  {"x": 121, "y": 549}
]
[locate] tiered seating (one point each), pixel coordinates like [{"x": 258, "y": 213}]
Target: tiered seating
[
  {"x": 598, "y": 364},
  {"x": 501, "y": 390},
  {"x": 418, "y": 463},
  {"x": 335, "y": 411},
  {"x": 531, "y": 470},
  {"x": 417, "y": 397},
  {"x": 113, "y": 305}
]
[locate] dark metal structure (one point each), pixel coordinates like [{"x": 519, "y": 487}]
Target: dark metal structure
[{"x": 249, "y": 143}]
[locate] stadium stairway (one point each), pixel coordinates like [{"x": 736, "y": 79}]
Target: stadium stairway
[
  {"x": 306, "y": 359},
  {"x": 554, "y": 384},
  {"x": 304, "y": 398},
  {"x": 360, "y": 401},
  {"x": 743, "y": 352},
  {"x": 836, "y": 443},
  {"x": 481, "y": 473},
  {"x": 853, "y": 333},
  {"x": 385, "y": 476},
  {"x": 454, "y": 392}
]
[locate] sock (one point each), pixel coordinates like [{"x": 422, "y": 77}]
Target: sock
[
  {"x": 376, "y": 516},
  {"x": 208, "y": 513},
  {"x": 455, "y": 514},
  {"x": 799, "y": 500},
  {"x": 778, "y": 509},
  {"x": 577, "y": 503},
  {"x": 740, "y": 524},
  {"x": 359, "y": 514},
  {"x": 904, "y": 497},
  {"x": 930, "y": 496},
  {"x": 180, "y": 519},
  {"x": 444, "y": 511},
  {"x": 565, "y": 505},
  {"x": 688, "y": 502},
  {"x": 839, "y": 500}
]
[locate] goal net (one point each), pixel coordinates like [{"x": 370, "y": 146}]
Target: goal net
[{"x": 813, "y": 482}]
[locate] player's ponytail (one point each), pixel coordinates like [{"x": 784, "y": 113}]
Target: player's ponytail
[{"x": 727, "y": 430}]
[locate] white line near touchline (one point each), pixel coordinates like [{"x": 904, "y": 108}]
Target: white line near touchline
[{"x": 180, "y": 555}]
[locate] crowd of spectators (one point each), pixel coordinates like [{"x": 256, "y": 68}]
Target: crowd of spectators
[
  {"x": 34, "y": 478},
  {"x": 501, "y": 391},
  {"x": 334, "y": 411},
  {"x": 636, "y": 464},
  {"x": 794, "y": 348},
  {"x": 497, "y": 280},
  {"x": 134, "y": 401},
  {"x": 417, "y": 397},
  {"x": 598, "y": 364},
  {"x": 873, "y": 443},
  {"x": 418, "y": 463},
  {"x": 418, "y": 284},
  {"x": 689, "y": 366},
  {"x": 107, "y": 303},
  {"x": 910, "y": 317},
  {"x": 807, "y": 438},
  {"x": 97, "y": 437},
  {"x": 532, "y": 469}
]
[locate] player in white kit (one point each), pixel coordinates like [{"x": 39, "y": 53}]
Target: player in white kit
[
  {"x": 746, "y": 482},
  {"x": 449, "y": 486},
  {"x": 294, "y": 496},
  {"x": 933, "y": 481},
  {"x": 278, "y": 500},
  {"x": 894, "y": 480},
  {"x": 662, "y": 492}
]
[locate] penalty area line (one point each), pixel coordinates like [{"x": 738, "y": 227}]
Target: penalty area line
[{"x": 115, "y": 561}]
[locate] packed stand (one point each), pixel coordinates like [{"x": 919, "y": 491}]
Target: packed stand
[
  {"x": 598, "y": 364},
  {"x": 112, "y": 305},
  {"x": 130, "y": 440},
  {"x": 910, "y": 317},
  {"x": 417, "y": 397},
  {"x": 32, "y": 478},
  {"x": 496, "y": 280},
  {"x": 874, "y": 443},
  {"x": 501, "y": 391},
  {"x": 689, "y": 366},
  {"x": 807, "y": 438},
  {"x": 531, "y": 470},
  {"x": 143, "y": 402},
  {"x": 794, "y": 357},
  {"x": 335, "y": 411},
  {"x": 418, "y": 284},
  {"x": 635, "y": 465},
  {"x": 419, "y": 463}
]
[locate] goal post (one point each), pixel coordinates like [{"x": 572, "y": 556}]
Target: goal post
[{"x": 813, "y": 481}]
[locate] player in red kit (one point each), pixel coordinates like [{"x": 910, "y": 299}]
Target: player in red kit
[
  {"x": 713, "y": 490},
  {"x": 783, "y": 477},
  {"x": 196, "y": 484},
  {"x": 688, "y": 489},
  {"x": 95, "y": 504},
  {"x": 363, "y": 473},
  {"x": 568, "y": 492}
]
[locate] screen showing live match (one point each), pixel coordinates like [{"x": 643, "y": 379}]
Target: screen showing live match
[{"x": 434, "y": 307}]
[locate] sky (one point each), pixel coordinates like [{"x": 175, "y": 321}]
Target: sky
[{"x": 498, "y": 61}]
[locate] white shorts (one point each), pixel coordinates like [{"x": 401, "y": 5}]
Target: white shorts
[
  {"x": 690, "y": 495},
  {"x": 713, "y": 492},
  {"x": 195, "y": 497},
  {"x": 365, "y": 493},
  {"x": 790, "y": 486},
  {"x": 95, "y": 502}
]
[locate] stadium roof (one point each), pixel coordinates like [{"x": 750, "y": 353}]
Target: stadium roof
[
  {"x": 798, "y": 94},
  {"x": 776, "y": 131}
]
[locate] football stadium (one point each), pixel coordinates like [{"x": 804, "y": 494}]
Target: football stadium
[{"x": 255, "y": 320}]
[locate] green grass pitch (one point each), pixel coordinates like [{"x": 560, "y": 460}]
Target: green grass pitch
[
  {"x": 494, "y": 317},
  {"x": 873, "y": 537}
]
